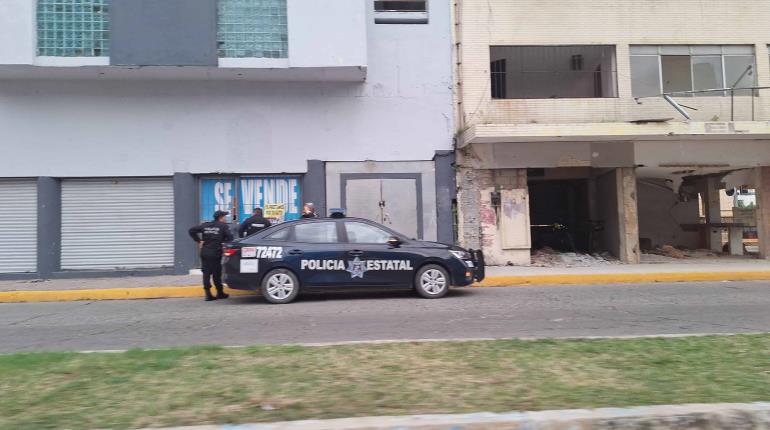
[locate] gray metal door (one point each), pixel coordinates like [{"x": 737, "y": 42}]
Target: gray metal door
[
  {"x": 18, "y": 226},
  {"x": 390, "y": 202},
  {"x": 117, "y": 224}
]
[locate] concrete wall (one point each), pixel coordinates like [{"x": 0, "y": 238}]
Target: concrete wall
[
  {"x": 17, "y": 31},
  {"x": 147, "y": 128},
  {"x": 606, "y": 22},
  {"x": 661, "y": 215},
  {"x": 480, "y": 221}
]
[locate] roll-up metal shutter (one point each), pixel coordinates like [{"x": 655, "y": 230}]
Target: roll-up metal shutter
[
  {"x": 18, "y": 226},
  {"x": 117, "y": 224}
]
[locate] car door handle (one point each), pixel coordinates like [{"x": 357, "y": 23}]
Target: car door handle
[
  {"x": 356, "y": 252},
  {"x": 296, "y": 252}
]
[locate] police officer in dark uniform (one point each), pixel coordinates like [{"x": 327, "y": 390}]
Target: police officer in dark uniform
[
  {"x": 256, "y": 223},
  {"x": 210, "y": 236}
]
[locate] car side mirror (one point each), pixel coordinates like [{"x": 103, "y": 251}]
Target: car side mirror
[{"x": 394, "y": 241}]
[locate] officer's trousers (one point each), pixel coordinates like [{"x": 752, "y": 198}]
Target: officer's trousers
[{"x": 212, "y": 268}]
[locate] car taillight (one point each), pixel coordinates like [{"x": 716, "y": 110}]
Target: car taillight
[{"x": 230, "y": 252}]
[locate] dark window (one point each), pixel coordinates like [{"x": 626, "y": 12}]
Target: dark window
[
  {"x": 401, "y": 12},
  {"x": 281, "y": 234},
  {"x": 359, "y": 232},
  {"x": 542, "y": 72},
  {"x": 498, "y": 79},
  {"x": 400, "y": 6},
  {"x": 316, "y": 232}
]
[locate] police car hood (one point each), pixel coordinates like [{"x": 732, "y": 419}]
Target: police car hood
[{"x": 435, "y": 245}]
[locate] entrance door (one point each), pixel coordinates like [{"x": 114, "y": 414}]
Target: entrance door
[{"x": 392, "y": 202}]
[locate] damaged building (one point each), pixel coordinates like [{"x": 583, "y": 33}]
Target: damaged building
[{"x": 612, "y": 127}]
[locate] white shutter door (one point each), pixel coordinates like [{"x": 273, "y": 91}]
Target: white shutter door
[
  {"x": 117, "y": 224},
  {"x": 18, "y": 226}
]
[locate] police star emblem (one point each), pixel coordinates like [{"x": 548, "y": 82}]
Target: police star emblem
[{"x": 356, "y": 268}]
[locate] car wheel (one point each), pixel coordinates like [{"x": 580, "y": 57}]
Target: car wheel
[
  {"x": 280, "y": 286},
  {"x": 431, "y": 281}
]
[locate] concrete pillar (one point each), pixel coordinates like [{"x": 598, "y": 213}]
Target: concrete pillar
[
  {"x": 446, "y": 190},
  {"x": 185, "y": 216},
  {"x": 628, "y": 218},
  {"x": 762, "y": 186},
  {"x": 713, "y": 211},
  {"x": 48, "y": 226},
  {"x": 314, "y": 186},
  {"x": 469, "y": 206}
]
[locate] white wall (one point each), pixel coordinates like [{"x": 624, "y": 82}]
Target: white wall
[
  {"x": 326, "y": 33},
  {"x": 135, "y": 128},
  {"x": 17, "y": 31}
]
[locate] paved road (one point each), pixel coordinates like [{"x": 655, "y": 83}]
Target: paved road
[{"x": 551, "y": 311}]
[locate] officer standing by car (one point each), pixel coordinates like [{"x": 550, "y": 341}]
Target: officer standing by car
[
  {"x": 210, "y": 237},
  {"x": 257, "y": 222},
  {"x": 308, "y": 211}
]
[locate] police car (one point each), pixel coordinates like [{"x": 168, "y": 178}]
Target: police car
[{"x": 344, "y": 252}]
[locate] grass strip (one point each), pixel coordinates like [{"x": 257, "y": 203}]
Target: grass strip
[{"x": 271, "y": 383}]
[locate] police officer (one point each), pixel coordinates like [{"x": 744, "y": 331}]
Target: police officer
[
  {"x": 308, "y": 211},
  {"x": 210, "y": 237},
  {"x": 256, "y": 223}
]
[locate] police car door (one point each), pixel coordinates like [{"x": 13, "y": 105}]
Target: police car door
[
  {"x": 374, "y": 262},
  {"x": 317, "y": 255}
]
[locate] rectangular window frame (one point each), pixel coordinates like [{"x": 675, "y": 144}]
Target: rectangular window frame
[
  {"x": 57, "y": 24},
  {"x": 723, "y": 51},
  {"x": 496, "y": 88},
  {"x": 401, "y": 16},
  {"x": 238, "y": 48}
]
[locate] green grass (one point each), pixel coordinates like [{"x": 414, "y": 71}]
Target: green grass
[{"x": 214, "y": 385}]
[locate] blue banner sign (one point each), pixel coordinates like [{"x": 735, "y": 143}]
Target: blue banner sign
[{"x": 241, "y": 196}]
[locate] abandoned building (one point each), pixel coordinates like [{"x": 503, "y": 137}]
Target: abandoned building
[{"x": 612, "y": 127}]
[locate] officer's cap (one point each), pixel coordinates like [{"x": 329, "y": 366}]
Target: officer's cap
[{"x": 218, "y": 214}]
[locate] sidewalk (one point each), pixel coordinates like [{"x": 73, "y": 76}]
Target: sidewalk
[
  {"x": 152, "y": 287},
  {"x": 749, "y": 416}
]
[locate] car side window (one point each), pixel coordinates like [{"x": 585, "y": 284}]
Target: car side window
[
  {"x": 316, "y": 232},
  {"x": 281, "y": 234},
  {"x": 359, "y": 232}
]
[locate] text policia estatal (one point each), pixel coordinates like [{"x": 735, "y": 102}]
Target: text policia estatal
[{"x": 367, "y": 265}]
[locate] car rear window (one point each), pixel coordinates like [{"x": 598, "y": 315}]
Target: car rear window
[{"x": 316, "y": 232}]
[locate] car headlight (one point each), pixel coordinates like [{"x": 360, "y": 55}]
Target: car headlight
[{"x": 462, "y": 255}]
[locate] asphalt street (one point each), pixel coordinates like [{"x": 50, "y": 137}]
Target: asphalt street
[{"x": 546, "y": 311}]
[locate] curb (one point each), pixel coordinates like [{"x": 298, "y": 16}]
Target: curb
[
  {"x": 749, "y": 416},
  {"x": 624, "y": 278},
  {"x": 493, "y": 281}
]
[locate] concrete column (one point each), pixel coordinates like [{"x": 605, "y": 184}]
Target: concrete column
[
  {"x": 48, "y": 226},
  {"x": 469, "y": 206},
  {"x": 314, "y": 186},
  {"x": 628, "y": 218},
  {"x": 762, "y": 186},
  {"x": 713, "y": 211},
  {"x": 446, "y": 190},
  {"x": 185, "y": 216}
]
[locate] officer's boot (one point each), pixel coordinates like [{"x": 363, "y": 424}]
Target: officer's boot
[
  {"x": 209, "y": 297},
  {"x": 221, "y": 293}
]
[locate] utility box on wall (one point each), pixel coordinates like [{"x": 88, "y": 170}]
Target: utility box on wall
[{"x": 514, "y": 219}]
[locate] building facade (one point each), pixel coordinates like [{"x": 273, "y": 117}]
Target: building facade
[
  {"x": 124, "y": 122},
  {"x": 565, "y": 139}
]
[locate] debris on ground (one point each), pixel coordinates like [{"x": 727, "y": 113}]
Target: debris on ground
[
  {"x": 674, "y": 252},
  {"x": 671, "y": 251},
  {"x": 548, "y": 257}
]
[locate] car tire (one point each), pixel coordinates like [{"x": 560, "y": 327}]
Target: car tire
[
  {"x": 280, "y": 286},
  {"x": 431, "y": 281}
]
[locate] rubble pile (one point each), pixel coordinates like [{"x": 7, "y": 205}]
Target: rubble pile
[
  {"x": 548, "y": 257},
  {"x": 677, "y": 253}
]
